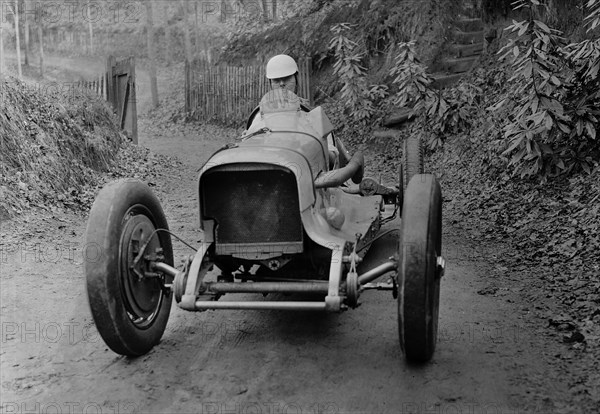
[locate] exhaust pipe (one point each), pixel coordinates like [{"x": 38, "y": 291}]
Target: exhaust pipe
[{"x": 354, "y": 169}]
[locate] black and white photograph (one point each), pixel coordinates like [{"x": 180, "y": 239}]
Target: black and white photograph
[{"x": 299, "y": 206}]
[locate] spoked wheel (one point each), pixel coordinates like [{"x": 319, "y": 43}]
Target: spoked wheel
[
  {"x": 419, "y": 272},
  {"x": 129, "y": 303},
  {"x": 412, "y": 159}
]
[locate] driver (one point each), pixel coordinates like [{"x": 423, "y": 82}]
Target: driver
[{"x": 282, "y": 72}]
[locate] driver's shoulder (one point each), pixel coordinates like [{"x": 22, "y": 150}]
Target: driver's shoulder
[{"x": 305, "y": 104}]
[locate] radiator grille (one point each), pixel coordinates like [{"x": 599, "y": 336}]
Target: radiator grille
[{"x": 252, "y": 205}]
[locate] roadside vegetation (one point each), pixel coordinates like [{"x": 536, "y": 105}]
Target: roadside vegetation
[
  {"x": 59, "y": 146},
  {"x": 53, "y": 144}
]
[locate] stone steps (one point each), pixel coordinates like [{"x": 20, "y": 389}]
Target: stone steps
[
  {"x": 440, "y": 80},
  {"x": 464, "y": 52},
  {"x": 469, "y": 24},
  {"x": 467, "y": 38},
  {"x": 460, "y": 65}
]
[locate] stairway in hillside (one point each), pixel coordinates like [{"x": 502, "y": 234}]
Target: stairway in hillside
[{"x": 463, "y": 51}]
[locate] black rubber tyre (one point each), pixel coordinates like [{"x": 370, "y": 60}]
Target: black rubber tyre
[
  {"x": 401, "y": 188},
  {"x": 419, "y": 275},
  {"x": 130, "y": 313},
  {"x": 412, "y": 159}
]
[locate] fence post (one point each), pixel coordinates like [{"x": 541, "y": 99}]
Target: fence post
[
  {"x": 198, "y": 79},
  {"x": 110, "y": 83},
  {"x": 238, "y": 95},
  {"x": 232, "y": 91},
  {"x": 255, "y": 82},
  {"x": 209, "y": 92},
  {"x": 215, "y": 77},
  {"x": 200, "y": 94},
  {"x": 310, "y": 86},
  {"x": 187, "y": 88},
  {"x": 133, "y": 100},
  {"x": 261, "y": 80},
  {"x": 220, "y": 94},
  {"x": 198, "y": 84},
  {"x": 242, "y": 92}
]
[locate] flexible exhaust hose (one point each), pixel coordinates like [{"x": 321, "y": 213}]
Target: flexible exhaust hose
[{"x": 354, "y": 169}]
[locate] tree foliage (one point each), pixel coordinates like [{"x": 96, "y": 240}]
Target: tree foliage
[
  {"x": 357, "y": 96},
  {"x": 552, "y": 108},
  {"x": 438, "y": 112}
]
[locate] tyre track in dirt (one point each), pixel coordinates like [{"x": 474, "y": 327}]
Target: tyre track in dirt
[{"x": 490, "y": 357}]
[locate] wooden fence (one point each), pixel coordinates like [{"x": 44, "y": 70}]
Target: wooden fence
[
  {"x": 228, "y": 94},
  {"x": 97, "y": 86},
  {"x": 117, "y": 86},
  {"x": 121, "y": 93}
]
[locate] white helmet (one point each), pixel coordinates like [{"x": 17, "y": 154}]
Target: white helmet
[{"x": 281, "y": 66}]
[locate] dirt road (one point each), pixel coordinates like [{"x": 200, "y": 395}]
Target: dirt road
[{"x": 491, "y": 356}]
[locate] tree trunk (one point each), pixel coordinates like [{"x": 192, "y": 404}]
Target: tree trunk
[
  {"x": 91, "y": 31},
  {"x": 151, "y": 53},
  {"x": 274, "y": 5},
  {"x": 265, "y": 9},
  {"x": 1, "y": 50},
  {"x": 186, "y": 31},
  {"x": 26, "y": 29},
  {"x": 168, "y": 52},
  {"x": 40, "y": 26},
  {"x": 18, "y": 39},
  {"x": 196, "y": 29}
]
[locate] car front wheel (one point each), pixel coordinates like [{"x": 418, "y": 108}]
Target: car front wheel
[
  {"x": 128, "y": 301},
  {"x": 419, "y": 271}
]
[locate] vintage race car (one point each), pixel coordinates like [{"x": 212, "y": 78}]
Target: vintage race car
[{"x": 285, "y": 222}]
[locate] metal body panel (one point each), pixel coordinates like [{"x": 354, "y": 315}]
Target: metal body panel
[
  {"x": 360, "y": 212},
  {"x": 384, "y": 247},
  {"x": 243, "y": 157},
  {"x": 311, "y": 148},
  {"x": 305, "y": 132}
]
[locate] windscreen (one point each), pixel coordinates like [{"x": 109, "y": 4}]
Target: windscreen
[{"x": 279, "y": 100}]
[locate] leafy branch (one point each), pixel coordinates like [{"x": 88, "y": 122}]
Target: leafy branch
[
  {"x": 551, "y": 113},
  {"x": 439, "y": 113},
  {"x": 357, "y": 96}
]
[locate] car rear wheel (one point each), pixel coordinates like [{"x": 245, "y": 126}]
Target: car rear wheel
[
  {"x": 412, "y": 159},
  {"x": 400, "y": 198},
  {"x": 130, "y": 306},
  {"x": 419, "y": 272}
]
